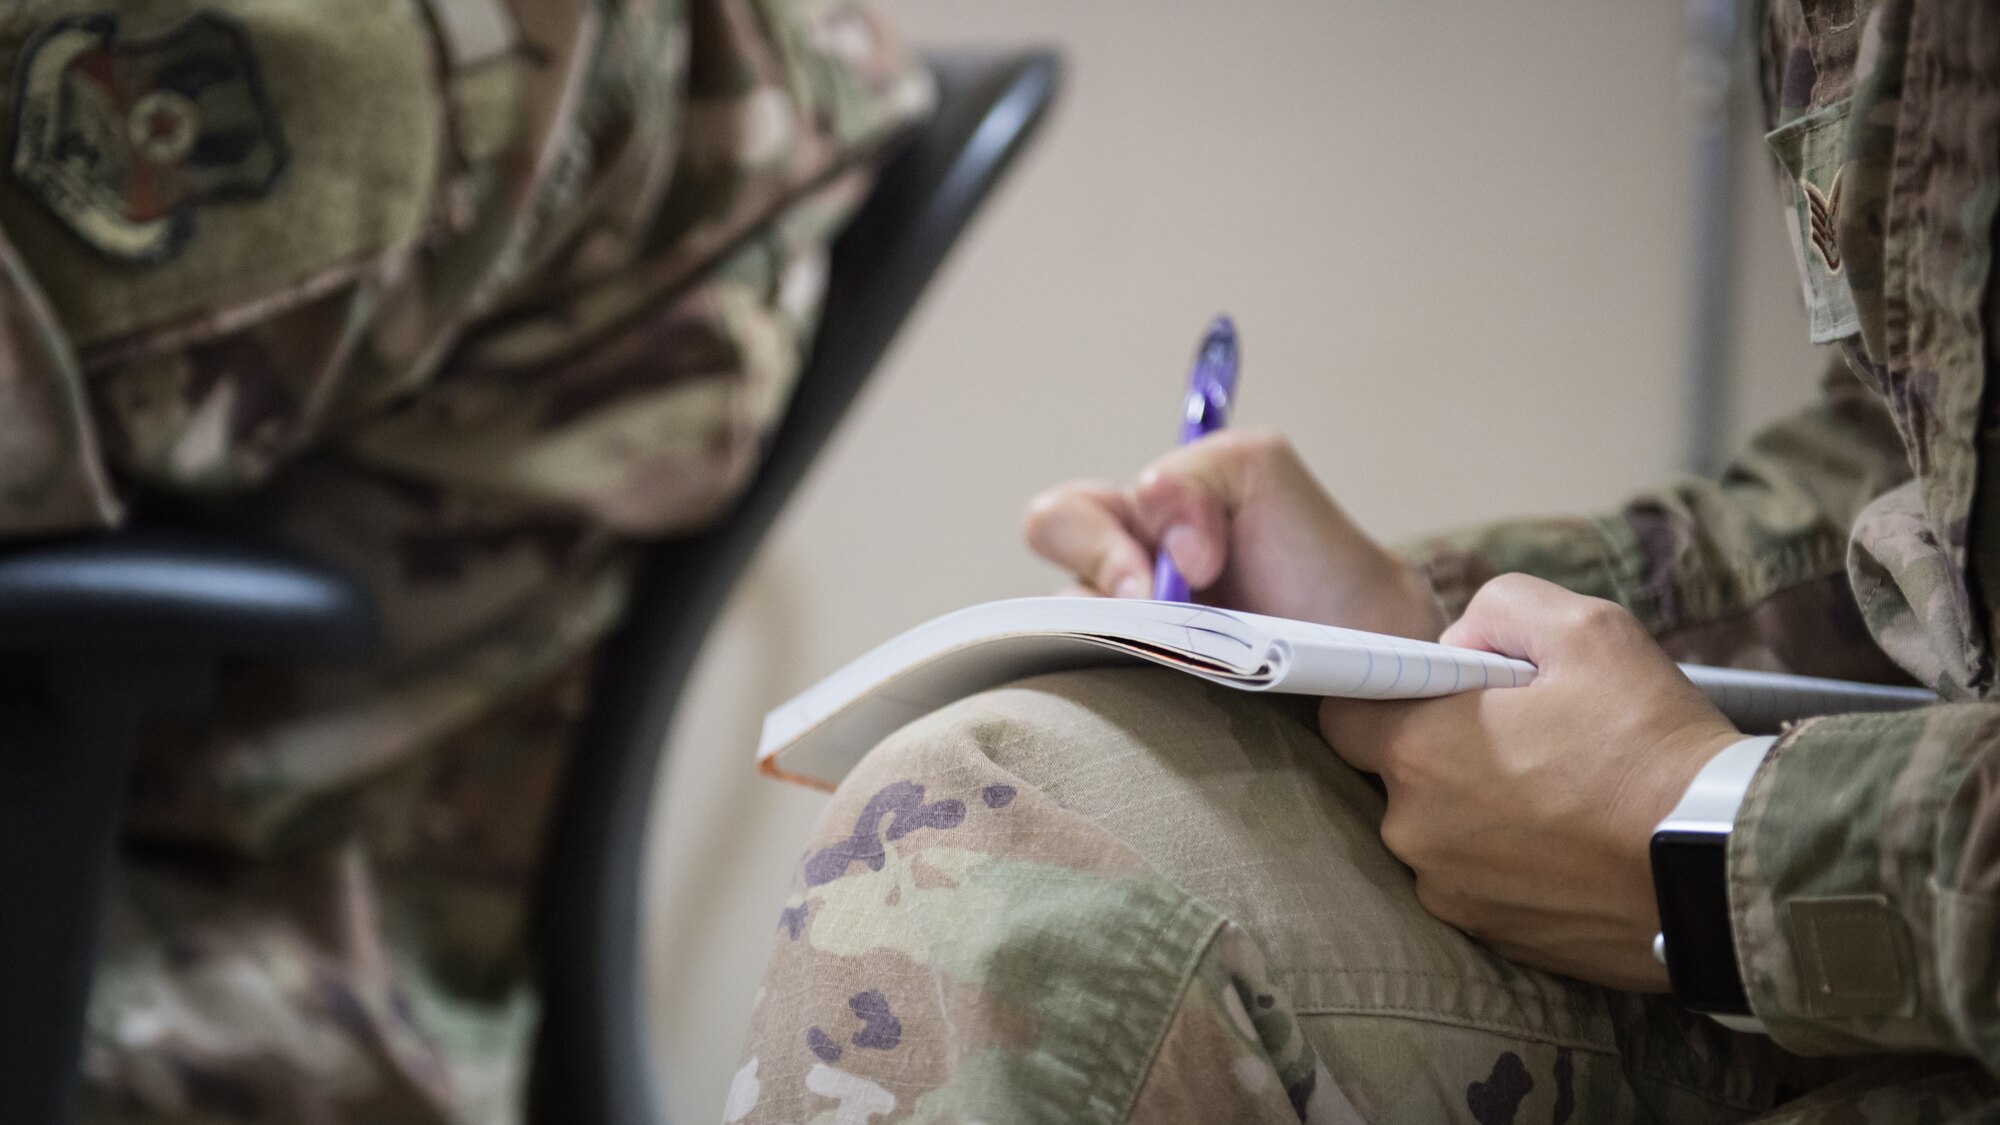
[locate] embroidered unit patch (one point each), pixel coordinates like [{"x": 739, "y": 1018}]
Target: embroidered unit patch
[{"x": 123, "y": 141}]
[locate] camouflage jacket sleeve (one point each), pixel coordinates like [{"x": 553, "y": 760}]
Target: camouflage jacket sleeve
[
  {"x": 1865, "y": 889},
  {"x": 1747, "y": 568},
  {"x": 1865, "y": 861}
]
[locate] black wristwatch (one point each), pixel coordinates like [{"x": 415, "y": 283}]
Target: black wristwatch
[{"x": 1690, "y": 855}]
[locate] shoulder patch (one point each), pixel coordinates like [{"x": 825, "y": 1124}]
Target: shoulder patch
[{"x": 124, "y": 140}]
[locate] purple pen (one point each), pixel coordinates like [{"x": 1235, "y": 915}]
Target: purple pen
[{"x": 1210, "y": 394}]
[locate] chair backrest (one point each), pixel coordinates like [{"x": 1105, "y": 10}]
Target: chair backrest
[{"x": 592, "y": 1060}]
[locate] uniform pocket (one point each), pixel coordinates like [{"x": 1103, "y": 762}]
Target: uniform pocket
[{"x": 1812, "y": 150}]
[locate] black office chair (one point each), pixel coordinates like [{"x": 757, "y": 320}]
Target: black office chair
[{"x": 98, "y": 633}]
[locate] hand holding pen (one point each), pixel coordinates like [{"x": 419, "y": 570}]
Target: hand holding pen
[
  {"x": 1236, "y": 514},
  {"x": 1205, "y": 409}
]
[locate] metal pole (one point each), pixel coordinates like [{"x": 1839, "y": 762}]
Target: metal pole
[{"x": 1708, "y": 75}]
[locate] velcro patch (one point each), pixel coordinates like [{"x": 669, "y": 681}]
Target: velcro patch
[{"x": 1854, "y": 956}]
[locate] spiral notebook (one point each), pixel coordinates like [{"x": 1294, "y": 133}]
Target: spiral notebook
[{"x": 818, "y": 735}]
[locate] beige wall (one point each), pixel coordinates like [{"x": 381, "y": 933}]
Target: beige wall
[{"x": 1454, "y": 247}]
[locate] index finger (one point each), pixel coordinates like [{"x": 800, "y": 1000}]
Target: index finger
[
  {"x": 1085, "y": 528},
  {"x": 1396, "y": 739}
]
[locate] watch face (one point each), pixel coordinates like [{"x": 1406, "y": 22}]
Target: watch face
[{"x": 1691, "y": 880}]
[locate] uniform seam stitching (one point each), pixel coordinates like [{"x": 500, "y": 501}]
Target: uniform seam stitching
[
  {"x": 1200, "y": 951},
  {"x": 1442, "y": 1017}
]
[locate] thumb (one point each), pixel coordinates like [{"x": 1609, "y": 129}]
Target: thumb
[{"x": 1529, "y": 618}]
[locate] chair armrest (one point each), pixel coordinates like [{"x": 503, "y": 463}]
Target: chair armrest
[
  {"x": 96, "y": 633},
  {"x": 180, "y": 591}
]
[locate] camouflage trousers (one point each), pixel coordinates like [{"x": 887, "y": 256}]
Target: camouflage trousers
[{"x": 1124, "y": 895}]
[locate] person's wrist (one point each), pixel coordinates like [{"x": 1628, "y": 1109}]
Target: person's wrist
[
  {"x": 1676, "y": 760},
  {"x": 1690, "y": 875},
  {"x": 1709, "y": 748}
]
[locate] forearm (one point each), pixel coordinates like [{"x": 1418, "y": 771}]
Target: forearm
[{"x": 1865, "y": 884}]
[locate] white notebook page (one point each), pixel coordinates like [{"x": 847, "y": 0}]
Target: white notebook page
[{"x": 818, "y": 735}]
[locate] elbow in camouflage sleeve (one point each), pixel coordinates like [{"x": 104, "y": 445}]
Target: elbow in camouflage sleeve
[{"x": 1865, "y": 884}]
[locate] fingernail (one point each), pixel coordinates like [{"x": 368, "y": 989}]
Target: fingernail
[
  {"x": 1129, "y": 587},
  {"x": 1183, "y": 546}
]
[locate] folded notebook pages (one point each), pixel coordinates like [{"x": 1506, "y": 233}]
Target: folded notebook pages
[{"x": 817, "y": 736}]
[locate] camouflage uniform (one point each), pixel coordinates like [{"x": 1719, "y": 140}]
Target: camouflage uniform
[
  {"x": 1124, "y": 896},
  {"x": 462, "y": 295}
]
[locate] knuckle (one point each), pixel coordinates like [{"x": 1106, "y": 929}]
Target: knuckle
[
  {"x": 1045, "y": 506},
  {"x": 1405, "y": 762},
  {"x": 1399, "y": 769},
  {"x": 1333, "y": 711},
  {"x": 1105, "y": 567},
  {"x": 1035, "y": 520},
  {"x": 1501, "y": 589},
  {"x": 1404, "y": 842},
  {"x": 1600, "y": 618},
  {"x": 1433, "y": 899},
  {"x": 1445, "y": 902}
]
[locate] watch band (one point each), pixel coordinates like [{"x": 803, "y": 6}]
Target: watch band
[
  {"x": 1716, "y": 793},
  {"x": 1690, "y": 881}
]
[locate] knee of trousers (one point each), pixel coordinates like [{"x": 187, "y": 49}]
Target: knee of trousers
[
  {"x": 1067, "y": 755},
  {"x": 1141, "y": 732},
  {"x": 1231, "y": 796},
  {"x": 970, "y": 894}
]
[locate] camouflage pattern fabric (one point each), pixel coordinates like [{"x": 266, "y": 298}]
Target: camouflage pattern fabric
[
  {"x": 1122, "y": 895},
  {"x": 461, "y": 295},
  {"x": 1078, "y": 947},
  {"x": 1861, "y": 528}
]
